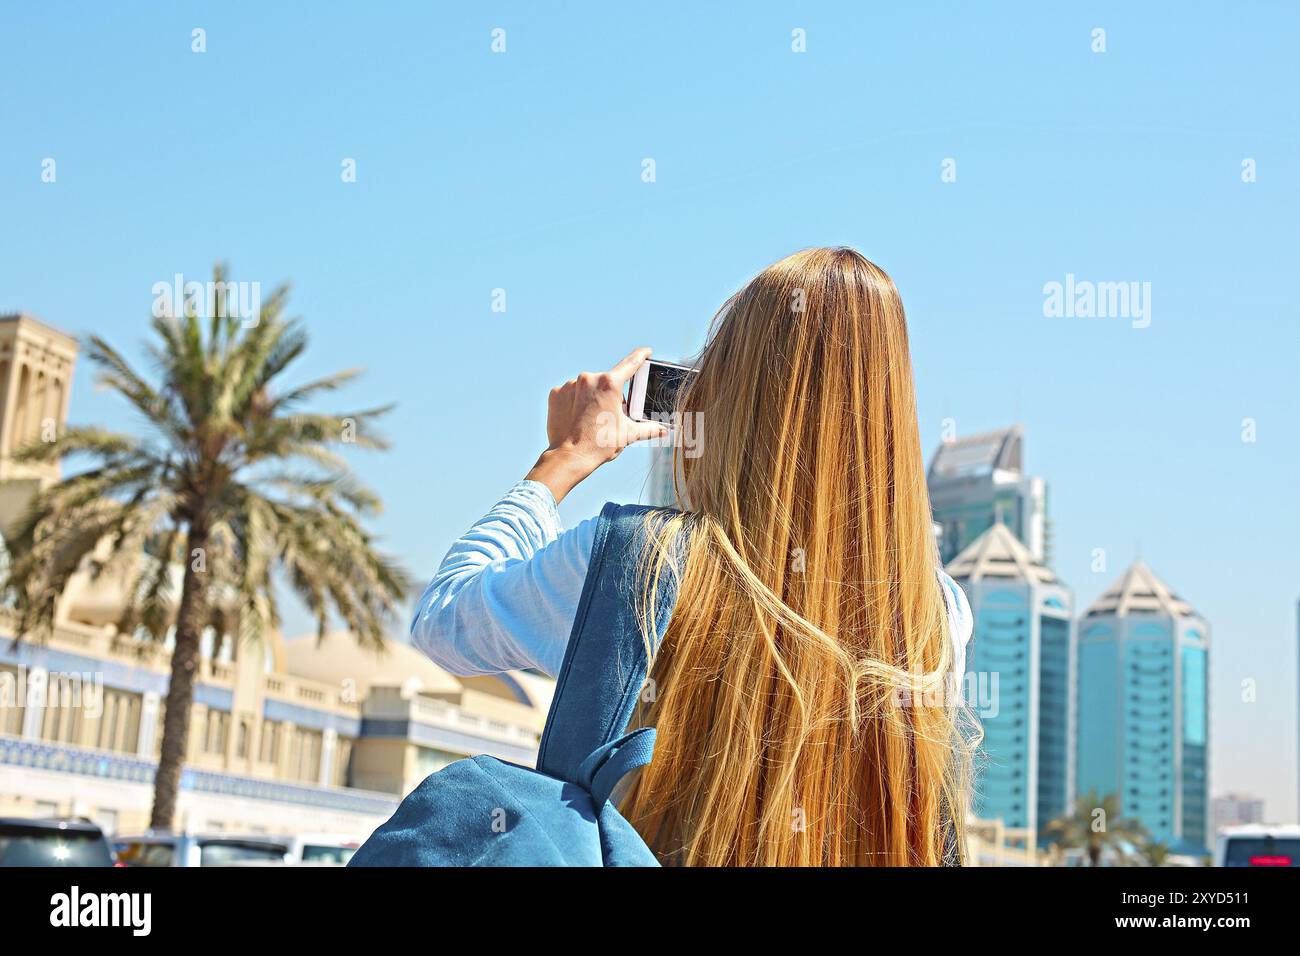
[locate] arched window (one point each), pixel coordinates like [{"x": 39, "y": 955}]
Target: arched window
[
  {"x": 22, "y": 404},
  {"x": 35, "y": 410},
  {"x": 54, "y": 407},
  {"x": 4, "y": 385}
]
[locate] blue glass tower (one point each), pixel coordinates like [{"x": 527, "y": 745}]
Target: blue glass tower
[
  {"x": 1144, "y": 708},
  {"x": 979, "y": 480},
  {"x": 1023, "y": 652}
]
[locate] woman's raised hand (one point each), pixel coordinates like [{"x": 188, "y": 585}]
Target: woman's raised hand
[{"x": 587, "y": 425}]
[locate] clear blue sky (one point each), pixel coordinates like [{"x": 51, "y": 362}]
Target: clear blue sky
[{"x": 522, "y": 171}]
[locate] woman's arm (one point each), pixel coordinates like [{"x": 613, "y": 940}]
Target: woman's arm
[{"x": 506, "y": 594}]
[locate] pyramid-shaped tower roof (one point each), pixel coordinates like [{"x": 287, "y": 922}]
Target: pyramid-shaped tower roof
[
  {"x": 998, "y": 553},
  {"x": 1139, "y": 591}
]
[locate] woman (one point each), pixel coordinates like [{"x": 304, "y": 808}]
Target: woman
[{"x": 799, "y": 692}]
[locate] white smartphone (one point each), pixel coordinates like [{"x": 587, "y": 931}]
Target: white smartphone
[{"x": 655, "y": 389}]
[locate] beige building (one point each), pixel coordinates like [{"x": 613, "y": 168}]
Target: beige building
[
  {"x": 989, "y": 843},
  {"x": 36, "y": 364},
  {"x": 287, "y": 736}
]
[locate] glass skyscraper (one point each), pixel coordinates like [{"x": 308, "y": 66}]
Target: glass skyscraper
[
  {"x": 978, "y": 481},
  {"x": 1144, "y": 708},
  {"x": 1023, "y": 656}
]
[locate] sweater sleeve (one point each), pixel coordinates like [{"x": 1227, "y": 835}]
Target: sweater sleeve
[{"x": 505, "y": 596}]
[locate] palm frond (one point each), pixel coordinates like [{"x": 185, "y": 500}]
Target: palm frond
[
  {"x": 329, "y": 383},
  {"x": 74, "y": 441},
  {"x": 116, "y": 373}
]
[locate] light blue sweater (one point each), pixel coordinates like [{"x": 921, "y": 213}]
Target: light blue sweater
[{"x": 506, "y": 594}]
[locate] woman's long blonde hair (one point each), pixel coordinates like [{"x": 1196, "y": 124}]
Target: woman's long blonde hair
[{"x": 794, "y": 691}]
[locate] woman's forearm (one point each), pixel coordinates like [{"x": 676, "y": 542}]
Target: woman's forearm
[{"x": 560, "y": 471}]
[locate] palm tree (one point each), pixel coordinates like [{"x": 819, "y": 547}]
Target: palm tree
[
  {"x": 1156, "y": 852},
  {"x": 1095, "y": 825},
  {"x": 234, "y": 480}
]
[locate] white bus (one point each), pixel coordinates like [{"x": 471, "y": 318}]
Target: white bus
[{"x": 1258, "y": 844}]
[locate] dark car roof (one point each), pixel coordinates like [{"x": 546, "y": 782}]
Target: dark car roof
[{"x": 80, "y": 826}]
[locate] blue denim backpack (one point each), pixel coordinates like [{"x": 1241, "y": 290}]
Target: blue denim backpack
[{"x": 486, "y": 812}]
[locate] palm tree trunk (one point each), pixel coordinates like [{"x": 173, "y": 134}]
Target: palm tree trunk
[{"x": 180, "y": 691}]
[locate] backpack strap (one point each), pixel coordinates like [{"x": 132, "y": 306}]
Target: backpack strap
[{"x": 605, "y": 662}]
